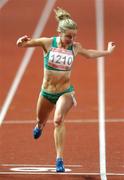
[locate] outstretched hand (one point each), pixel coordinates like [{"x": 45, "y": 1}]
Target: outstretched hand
[
  {"x": 22, "y": 39},
  {"x": 111, "y": 47}
]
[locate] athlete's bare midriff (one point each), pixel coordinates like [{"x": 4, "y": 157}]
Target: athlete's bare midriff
[{"x": 56, "y": 81}]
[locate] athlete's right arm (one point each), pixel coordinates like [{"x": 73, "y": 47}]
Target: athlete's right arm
[{"x": 25, "y": 41}]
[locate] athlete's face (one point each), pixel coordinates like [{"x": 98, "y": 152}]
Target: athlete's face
[{"x": 68, "y": 36}]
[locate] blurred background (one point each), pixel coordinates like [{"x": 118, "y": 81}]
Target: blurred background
[{"x": 18, "y": 18}]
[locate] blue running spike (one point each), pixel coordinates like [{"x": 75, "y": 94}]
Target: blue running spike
[
  {"x": 37, "y": 132},
  {"x": 60, "y": 165}
]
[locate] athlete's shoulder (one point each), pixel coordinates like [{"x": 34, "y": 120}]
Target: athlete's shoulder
[{"x": 77, "y": 44}]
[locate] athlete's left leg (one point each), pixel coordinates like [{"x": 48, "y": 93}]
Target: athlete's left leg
[{"x": 64, "y": 104}]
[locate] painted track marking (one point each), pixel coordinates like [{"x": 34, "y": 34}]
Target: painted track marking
[
  {"x": 76, "y": 121},
  {"x": 35, "y": 169},
  {"x": 101, "y": 86},
  {"x": 69, "y": 165}
]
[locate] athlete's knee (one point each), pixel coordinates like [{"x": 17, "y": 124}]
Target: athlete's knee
[{"x": 58, "y": 120}]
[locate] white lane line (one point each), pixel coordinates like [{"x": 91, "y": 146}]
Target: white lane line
[
  {"x": 49, "y": 173},
  {"x": 73, "y": 121},
  {"x": 101, "y": 86},
  {"x": 38, "y": 165},
  {"x": 26, "y": 59},
  {"x": 54, "y": 173},
  {"x": 2, "y": 3}
]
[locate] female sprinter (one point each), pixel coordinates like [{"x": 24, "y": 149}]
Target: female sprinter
[{"x": 57, "y": 91}]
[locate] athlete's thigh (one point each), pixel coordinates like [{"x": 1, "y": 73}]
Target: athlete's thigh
[
  {"x": 64, "y": 104},
  {"x": 44, "y": 107}
]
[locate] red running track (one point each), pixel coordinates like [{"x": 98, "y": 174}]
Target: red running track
[{"x": 17, "y": 147}]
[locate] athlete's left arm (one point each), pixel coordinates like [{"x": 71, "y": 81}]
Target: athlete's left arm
[{"x": 90, "y": 53}]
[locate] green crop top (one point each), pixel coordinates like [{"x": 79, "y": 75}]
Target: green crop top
[{"x": 59, "y": 59}]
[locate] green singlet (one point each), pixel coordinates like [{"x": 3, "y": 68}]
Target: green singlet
[{"x": 59, "y": 59}]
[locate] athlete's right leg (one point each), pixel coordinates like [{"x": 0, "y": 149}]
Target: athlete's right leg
[{"x": 44, "y": 107}]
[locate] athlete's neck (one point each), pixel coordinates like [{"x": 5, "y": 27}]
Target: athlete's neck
[{"x": 63, "y": 45}]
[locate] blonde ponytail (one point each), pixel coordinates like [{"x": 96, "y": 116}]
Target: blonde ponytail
[{"x": 64, "y": 20}]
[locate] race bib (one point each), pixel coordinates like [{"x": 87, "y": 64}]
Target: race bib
[{"x": 61, "y": 59}]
